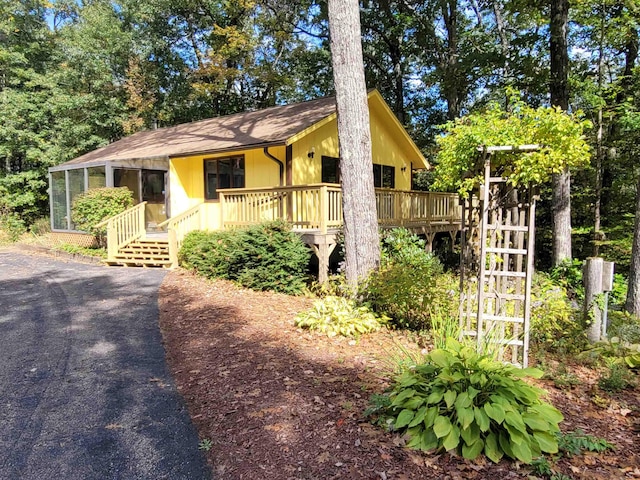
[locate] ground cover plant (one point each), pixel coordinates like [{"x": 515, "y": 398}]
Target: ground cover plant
[
  {"x": 458, "y": 399},
  {"x": 340, "y": 316}
]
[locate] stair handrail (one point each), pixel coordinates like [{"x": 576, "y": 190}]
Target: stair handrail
[
  {"x": 124, "y": 228},
  {"x": 179, "y": 226}
]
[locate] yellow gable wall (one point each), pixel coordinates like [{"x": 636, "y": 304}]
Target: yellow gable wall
[
  {"x": 186, "y": 188},
  {"x": 386, "y": 149}
]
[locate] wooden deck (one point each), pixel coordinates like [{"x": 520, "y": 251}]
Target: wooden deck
[{"x": 314, "y": 212}]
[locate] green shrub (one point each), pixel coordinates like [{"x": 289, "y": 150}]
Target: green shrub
[
  {"x": 616, "y": 377},
  {"x": 569, "y": 275},
  {"x": 624, "y": 326},
  {"x": 95, "y": 205},
  {"x": 555, "y": 323},
  {"x": 411, "y": 283},
  {"x": 11, "y": 227},
  {"x": 464, "y": 401},
  {"x": 340, "y": 316},
  {"x": 400, "y": 245},
  {"x": 40, "y": 226},
  {"x": 268, "y": 256}
]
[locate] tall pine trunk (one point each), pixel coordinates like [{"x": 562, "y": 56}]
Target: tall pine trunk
[
  {"x": 633, "y": 294},
  {"x": 362, "y": 249},
  {"x": 559, "y": 89}
]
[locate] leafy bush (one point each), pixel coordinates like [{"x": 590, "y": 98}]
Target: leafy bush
[
  {"x": 411, "y": 283},
  {"x": 624, "y": 326},
  {"x": 268, "y": 256},
  {"x": 569, "y": 275},
  {"x": 11, "y": 227},
  {"x": 95, "y": 205},
  {"x": 617, "y": 377},
  {"x": 554, "y": 321},
  {"x": 41, "y": 226},
  {"x": 340, "y": 316},
  {"x": 462, "y": 400}
]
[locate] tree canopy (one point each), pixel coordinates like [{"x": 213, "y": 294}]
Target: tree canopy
[{"x": 559, "y": 135}]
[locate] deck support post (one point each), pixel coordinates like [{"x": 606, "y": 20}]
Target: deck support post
[
  {"x": 453, "y": 234},
  {"x": 430, "y": 237}
]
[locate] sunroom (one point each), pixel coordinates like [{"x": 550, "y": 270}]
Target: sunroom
[{"x": 146, "y": 178}]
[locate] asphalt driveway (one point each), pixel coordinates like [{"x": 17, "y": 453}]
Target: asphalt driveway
[{"x": 84, "y": 389}]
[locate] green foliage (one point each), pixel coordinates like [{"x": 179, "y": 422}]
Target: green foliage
[
  {"x": 617, "y": 376},
  {"x": 562, "y": 378},
  {"x": 459, "y": 165},
  {"x": 575, "y": 443},
  {"x": 461, "y": 400},
  {"x": 411, "y": 284},
  {"x": 340, "y": 316},
  {"x": 78, "y": 250},
  {"x": 569, "y": 275},
  {"x": 555, "y": 324},
  {"x": 335, "y": 286},
  {"x": 614, "y": 350},
  {"x": 92, "y": 207},
  {"x": 624, "y": 326},
  {"x": 41, "y": 226},
  {"x": 11, "y": 227},
  {"x": 268, "y": 256},
  {"x": 205, "y": 445}
]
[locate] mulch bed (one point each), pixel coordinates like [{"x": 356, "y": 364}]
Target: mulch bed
[{"x": 277, "y": 402}]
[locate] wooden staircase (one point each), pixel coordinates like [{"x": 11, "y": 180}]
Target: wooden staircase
[{"x": 148, "y": 252}]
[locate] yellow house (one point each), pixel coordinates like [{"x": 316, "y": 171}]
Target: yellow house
[{"x": 280, "y": 162}]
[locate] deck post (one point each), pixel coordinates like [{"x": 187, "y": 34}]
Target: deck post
[{"x": 430, "y": 237}]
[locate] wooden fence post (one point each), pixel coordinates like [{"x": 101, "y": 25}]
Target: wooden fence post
[{"x": 592, "y": 278}]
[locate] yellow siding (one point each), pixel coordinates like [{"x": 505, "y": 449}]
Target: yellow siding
[
  {"x": 186, "y": 188},
  {"x": 324, "y": 141},
  {"x": 386, "y": 150}
]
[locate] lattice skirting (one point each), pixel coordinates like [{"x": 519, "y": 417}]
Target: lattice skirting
[{"x": 80, "y": 239}]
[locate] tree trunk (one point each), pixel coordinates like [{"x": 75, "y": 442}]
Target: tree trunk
[
  {"x": 561, "y": 203},
  {"x": 361, "y": 242},
  {"x": 633, "y": 293}
]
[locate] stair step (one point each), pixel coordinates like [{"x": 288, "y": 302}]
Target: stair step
[
  {"x": 139, "y": 263},
  {"x": 133, "y": 256},
  {"x": 131, "y": 249}
]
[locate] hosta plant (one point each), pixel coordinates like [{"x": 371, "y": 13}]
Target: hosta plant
[
  {"x": 461, "y": 400},
  {"x": 340, "y": 316}
]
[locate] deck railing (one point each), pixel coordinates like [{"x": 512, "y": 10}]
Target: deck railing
[
  {"x": 305, "y": 207},
  {"x": 124, "y": 228},
  {"x": 178, "y": 227},
  {"x": 319, "y": 207}
]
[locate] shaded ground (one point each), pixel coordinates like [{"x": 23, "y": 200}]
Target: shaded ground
[
  {"x": 280, "y": 403},
  {"x": 84, "y": 388}
]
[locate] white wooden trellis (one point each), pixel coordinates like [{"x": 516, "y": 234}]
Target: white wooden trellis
[{"x": 498, "y": 235}]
